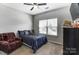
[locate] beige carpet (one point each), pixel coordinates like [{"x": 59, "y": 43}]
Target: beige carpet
[{"x": 47, "y": 49}]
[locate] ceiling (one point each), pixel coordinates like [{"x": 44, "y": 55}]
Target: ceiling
[{"x": 26, "y": 8}]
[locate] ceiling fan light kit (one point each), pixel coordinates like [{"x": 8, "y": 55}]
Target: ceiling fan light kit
[{"x": 36, "y": 4}]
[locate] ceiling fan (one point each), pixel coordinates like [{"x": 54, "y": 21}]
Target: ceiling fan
[{"x": 35, "y": 4}]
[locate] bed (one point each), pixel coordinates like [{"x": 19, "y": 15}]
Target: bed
[{"x": 34, "y": 41}]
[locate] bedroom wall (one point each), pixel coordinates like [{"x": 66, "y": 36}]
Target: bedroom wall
[
  {"x": 12, "y": 20},
  {"x": 61, "y": 14}
]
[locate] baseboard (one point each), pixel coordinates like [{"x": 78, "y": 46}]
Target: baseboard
[{"x": 55, "y": 42}]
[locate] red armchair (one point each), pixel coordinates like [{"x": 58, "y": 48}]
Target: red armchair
[{"x": 9, "y": 42}]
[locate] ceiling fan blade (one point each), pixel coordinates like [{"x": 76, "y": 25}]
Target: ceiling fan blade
[
  {"x": 32, "y": 8},
  {"x": 28, "y": 4},
  {"x": 40, "y": 4}
]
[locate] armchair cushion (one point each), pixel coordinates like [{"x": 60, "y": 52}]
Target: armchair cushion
[
  {"x": 5, "y": 37},
  {"x": 3, "y": 42},
  {"x": 11, "y": 40}
]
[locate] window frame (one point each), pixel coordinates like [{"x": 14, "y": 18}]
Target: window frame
[{"x": 48, "y": 28}]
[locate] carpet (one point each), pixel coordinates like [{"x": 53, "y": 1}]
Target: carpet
[{"x": 47, "y": 49}]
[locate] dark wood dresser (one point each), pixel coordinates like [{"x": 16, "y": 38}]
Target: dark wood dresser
[{"x": 70, "y": 41}]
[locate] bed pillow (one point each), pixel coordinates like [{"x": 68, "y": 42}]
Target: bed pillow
[
  {"x": 21, "y": 32},
  {"x": 26, "y": 32},
  {"x": 30, "y": 32}
]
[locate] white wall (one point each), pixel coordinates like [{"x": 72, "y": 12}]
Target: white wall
[{"x": 12, "y": 20}]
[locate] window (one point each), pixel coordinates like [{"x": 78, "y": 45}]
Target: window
[{"x": 48, "y": 26}]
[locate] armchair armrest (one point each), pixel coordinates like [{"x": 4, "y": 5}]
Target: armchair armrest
[
  {"x": 16, "y": 38},
  {"x": 1, "y": 41},
  {"x": 4, "y": 42}
]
